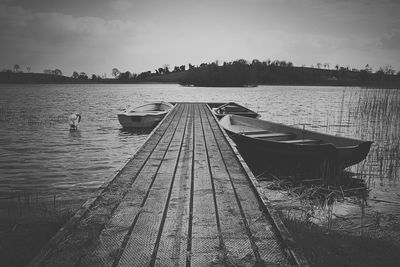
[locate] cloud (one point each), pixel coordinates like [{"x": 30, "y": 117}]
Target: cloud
[
  {"x": 45, "y": 39},
  {"x": 391, "y": 41},
  {"x": 121, "y": 5},
  {"x": 17, "y": 22},
  {"x": 138, "y": 35}
]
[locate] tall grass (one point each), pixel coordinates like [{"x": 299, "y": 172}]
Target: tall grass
[
  {"x": 376, "y": 116},
  {"x": 27, "y": 222},
  {"x": 367, "y": 114}
]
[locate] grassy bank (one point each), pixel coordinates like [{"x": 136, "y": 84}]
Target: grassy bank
[
  {"x": 21, "y": 241},
  {"x": 27, "y": 222},
  {"x": 339, "y": 249}
]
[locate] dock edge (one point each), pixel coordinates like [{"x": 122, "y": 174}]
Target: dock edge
[
  {"x": 292, "y": 249},
  {"x": 84, "y": 208}
]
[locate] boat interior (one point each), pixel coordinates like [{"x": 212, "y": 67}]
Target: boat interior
[
  {"x": 284, "y": 135},
  {"x": 234, "y": 108},
  {"x": 271, "y": 131},
  {"x": 152, "y": 108}
]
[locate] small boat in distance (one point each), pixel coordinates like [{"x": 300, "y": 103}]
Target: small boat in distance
[
  {"x": 293, "y": 147},
  {"x": 145, "y": 116},
  {"x": 235, "y": 109}
]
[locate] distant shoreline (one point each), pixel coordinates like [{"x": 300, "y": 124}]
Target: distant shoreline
[{"x": 183, "y": 79}]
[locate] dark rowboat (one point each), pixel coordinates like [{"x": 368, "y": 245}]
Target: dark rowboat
[
  {"x": 292, "y": 146},
  {"x": 234, "y": 109}
]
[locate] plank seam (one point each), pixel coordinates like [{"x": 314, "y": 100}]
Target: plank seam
[{"x": 189, "y": 241}]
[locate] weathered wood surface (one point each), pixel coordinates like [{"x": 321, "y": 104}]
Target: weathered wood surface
[{"x": 184, "y": 199}]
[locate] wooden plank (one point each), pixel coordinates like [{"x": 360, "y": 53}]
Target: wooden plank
[
  {"x": 265, "y": 239},
  {"x": 70, "y": 243},
  {"x": 204, "y": 246},
  {"x": 237, "y": 248},
  {"x": 85, "y": 235},
  {"x": 110, "y": 247},
  {"x": 122, "y": 174},
  {"x": 139, "y": 248},
  {"x": 173, "y": 242},
  {"x": 302, "y": 141},
  {"x": 294, "y": 253}
]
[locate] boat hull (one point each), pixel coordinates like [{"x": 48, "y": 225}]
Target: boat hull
[
  {"x": 332, "y": 154},
  {"x": 140, "y": 121}
]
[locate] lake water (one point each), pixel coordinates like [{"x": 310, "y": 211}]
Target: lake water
[{"x": 38, "y": 153}]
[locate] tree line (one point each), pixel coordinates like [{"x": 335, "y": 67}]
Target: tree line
[{"x": 243, "y": 73}]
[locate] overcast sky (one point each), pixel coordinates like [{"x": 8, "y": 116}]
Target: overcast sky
[{"x": 95, "y": 36}]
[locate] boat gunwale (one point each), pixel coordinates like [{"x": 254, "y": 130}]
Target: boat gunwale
[
  {"x": 148, "y": 104},
  {"x": 143, "y": 114},
  {"x": 246, "y": 110}
]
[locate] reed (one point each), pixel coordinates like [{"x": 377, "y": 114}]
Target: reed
[
  {"x": 335, "y": 248},
  {"x": 27, "y": 222},
  {"x": 377, "y": 117}
]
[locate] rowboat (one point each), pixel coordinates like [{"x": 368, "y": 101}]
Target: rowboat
[
  {"x": 293, "y": 147},
  {"x": 235, "y": 109},
  {"x": 145, "y": 116}
]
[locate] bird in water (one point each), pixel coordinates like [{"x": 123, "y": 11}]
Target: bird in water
[{"x": 74, "y": 120}]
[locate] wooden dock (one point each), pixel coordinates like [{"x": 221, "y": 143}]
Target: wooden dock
[{"x": 186, "y": 198}]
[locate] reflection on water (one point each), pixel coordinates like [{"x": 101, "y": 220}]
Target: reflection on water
[
  {"x": 76, "y": 134},
  {"x": 39, "y": 153},
  {"x": 136, "y": 131}
]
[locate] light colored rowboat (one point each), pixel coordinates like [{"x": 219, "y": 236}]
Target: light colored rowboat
[
  {"x": 145, "y": 116},
  {"x": 276, "y": 142}
]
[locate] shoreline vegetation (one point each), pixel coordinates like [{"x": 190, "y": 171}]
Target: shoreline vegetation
[
  {"x": 28, "y": 221},
  {"x": 327, "y": 238},
  {"x": 239, "y": 73}
]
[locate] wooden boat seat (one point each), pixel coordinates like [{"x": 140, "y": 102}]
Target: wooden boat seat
[
  {"x": 272, "y": 135},
  {"x": 256, "y": 132},
  {"x": 302, "y": 141}
]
